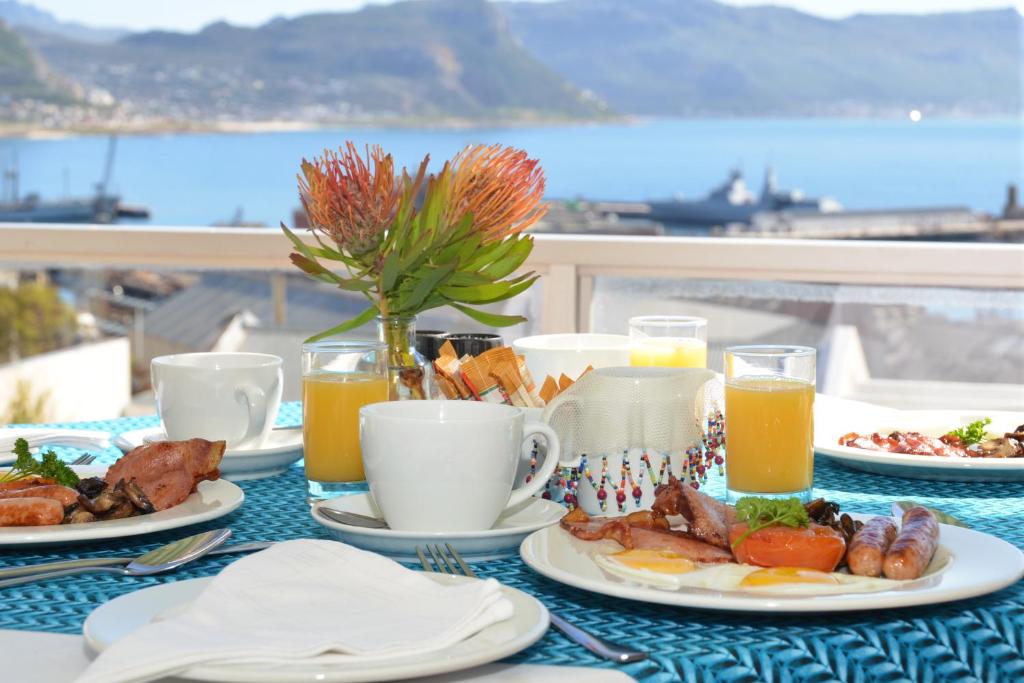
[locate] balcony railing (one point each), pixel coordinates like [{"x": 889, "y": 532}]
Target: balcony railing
[{"x": 569, "y": 263}]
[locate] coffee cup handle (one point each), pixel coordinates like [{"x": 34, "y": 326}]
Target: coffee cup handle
[
  {"x": 544, "y": 472},
  {"x": 256, "y": 401}
]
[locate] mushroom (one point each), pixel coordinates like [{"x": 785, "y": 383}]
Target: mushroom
[
  {"x": 104, "y": 502},
  {"x": 79, "y": 515},
  {"x": 91, "y": 487},
  {"x": 137, "y": 496}
]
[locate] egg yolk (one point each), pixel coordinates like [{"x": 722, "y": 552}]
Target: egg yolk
[
  {"x": 660, "y": 561},
  {"x": 775, "y": 576}
]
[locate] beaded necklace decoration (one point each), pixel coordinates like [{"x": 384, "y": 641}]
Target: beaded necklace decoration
[{"x": 701, "y": 459}]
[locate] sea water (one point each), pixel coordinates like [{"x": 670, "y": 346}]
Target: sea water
[{"x": 198, "y": 179}]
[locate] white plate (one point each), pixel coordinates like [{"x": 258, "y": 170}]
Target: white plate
[
  {"x": 211, "y": 500},
  {"x": 502, "y": 540},
  {"x": 834, "y": 418},
  {"x": 119, "y": 617},
  {"x": 282, "y": 449},
  {"x": 967, "y": 564}
]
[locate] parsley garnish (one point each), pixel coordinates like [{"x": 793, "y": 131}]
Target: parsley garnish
[
  {"x": 759, "y": 513},
  {"x": 972, "y": 433},
  {"x": 49, "y": 467}
]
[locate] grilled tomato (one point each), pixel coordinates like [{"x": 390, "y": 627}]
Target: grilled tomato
[{"x": 811, "y": 547}]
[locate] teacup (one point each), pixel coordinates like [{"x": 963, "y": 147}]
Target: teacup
[
  {"x": 218, "y": 396},
  {"x": 448, "y": 465}
]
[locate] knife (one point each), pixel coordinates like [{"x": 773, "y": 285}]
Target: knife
[{"x": 12, "y": 572}]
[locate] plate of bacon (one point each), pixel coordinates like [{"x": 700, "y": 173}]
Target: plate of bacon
[
  {"x": 769, "y": 555},
  {"x": 156, "y": 487},
  {"x": 945, "y": 445}
]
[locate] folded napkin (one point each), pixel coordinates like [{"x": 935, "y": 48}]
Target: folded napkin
[{"x": 304, "y": 599}]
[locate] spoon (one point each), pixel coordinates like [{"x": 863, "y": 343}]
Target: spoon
[
  {"x": 164, "y": 558},
  {"x": 352, "y": 518}
]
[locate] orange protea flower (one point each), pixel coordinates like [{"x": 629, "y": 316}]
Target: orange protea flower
[
  {"x": 501, "y": 186},
  {"x": 349, "y": 198}
]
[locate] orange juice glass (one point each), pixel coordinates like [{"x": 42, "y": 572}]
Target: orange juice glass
[
  {"x": 668, "y": 341},
  {"x": 769, "y": 421},
  {"x": 338, "y": 378}
]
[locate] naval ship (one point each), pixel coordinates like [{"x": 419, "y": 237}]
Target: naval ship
[{"x": 730, "y": 202}]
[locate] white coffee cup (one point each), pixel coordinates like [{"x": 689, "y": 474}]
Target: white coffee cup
[
  {"x": 448, "y": 465},
  {"x": 218, "y": 396}
]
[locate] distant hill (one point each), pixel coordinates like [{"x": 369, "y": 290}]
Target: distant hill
[
  {"x": 692, "y": 57},
  {"x": 21, "y": 15},
  {"x": 22, "y": 73},
  {"x": 426, "y": 58}
]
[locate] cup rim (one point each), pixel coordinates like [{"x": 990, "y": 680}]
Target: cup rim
[
  {"x": 669, "y": 320},
  {"x": 766, "y": 350},
  {"x": 388, "y": 410},
  {"x": 343, "y": 345},
  {"x": 603, "y": 341},
  {"x": 266, "y": 359}
]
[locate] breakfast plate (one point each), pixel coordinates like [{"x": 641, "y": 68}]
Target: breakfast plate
[
  {"x": 502, "y": 540},
  {"x": 967, "y": 564},
  {"x": 117, "y": 618},
  {"x": 211, "y": 500},
  {"x": 834, "y": 418},
  {"x": 282, "y": 449}
]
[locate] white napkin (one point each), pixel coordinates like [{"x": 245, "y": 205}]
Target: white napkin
[{"x": 302, "y": 599}]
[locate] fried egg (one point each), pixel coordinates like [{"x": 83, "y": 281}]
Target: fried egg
[{"x": 671, "y": 571}]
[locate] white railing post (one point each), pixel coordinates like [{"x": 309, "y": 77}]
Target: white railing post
[{"x": 559, "y": 312}]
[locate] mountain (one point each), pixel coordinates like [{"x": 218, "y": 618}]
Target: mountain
[
  {"x": 425, "y": 58},
  {"x": 22, "y": 73},
  {"x": 666, "y": 57},
  {"x": 20, "y": 15}
]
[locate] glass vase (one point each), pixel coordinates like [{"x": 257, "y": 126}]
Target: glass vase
[{"x": 410, "y": 375}]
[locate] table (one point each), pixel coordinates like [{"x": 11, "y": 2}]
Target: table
[{"x": 980, "y": 639}]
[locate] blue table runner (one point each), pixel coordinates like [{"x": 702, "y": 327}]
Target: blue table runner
[{"x": 980, "y": 639}]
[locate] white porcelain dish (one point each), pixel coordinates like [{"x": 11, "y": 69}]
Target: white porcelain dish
[
  {"x": 502, "y": 540},
  {"x": 213, "y": 499},
  {"x": 119, "y": 617},
  {"x": 967, "y": 564},
  {"x": 834, "y": 418},
  {"x": 281, "y": 450}
]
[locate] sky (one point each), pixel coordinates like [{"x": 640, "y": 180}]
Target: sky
[{"x": 190, "y": 15}]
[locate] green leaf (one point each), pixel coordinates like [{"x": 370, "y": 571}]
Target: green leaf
[
  {"x": 488, "y": 294},
  {"x": 512, "y": 261},
  {"x": 490, "y": 319},
  {"x": 759, "y": 513},
  {"x": 355, "y": 322},
  {"x": 426, "y": 285},
  {"x": 389, "y": 272}
]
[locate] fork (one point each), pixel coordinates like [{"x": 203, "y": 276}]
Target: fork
[
  {"x": 451, "y": 562},
  {"x": 83, "y": 459}
]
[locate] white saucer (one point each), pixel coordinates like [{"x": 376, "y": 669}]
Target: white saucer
[
  {"x": 117, "y": 618},
  {"x": 282, "y": 448},
  {"x": 502, "y": 540}
]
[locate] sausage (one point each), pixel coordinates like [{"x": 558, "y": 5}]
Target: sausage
[
  {"x": 30, "y": 512},
  {"x": 64, "y": 495},
  {"x": 868, "y": 546},
  {"x": 27, "y": 482},
  {"x": 912, "y": 551}
]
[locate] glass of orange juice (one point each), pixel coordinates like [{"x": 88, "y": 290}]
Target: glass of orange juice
[
  {"x": 668, "y": 341},
  {"x": 769, "y": 421},
  {"x": 338, "y": 378}
]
